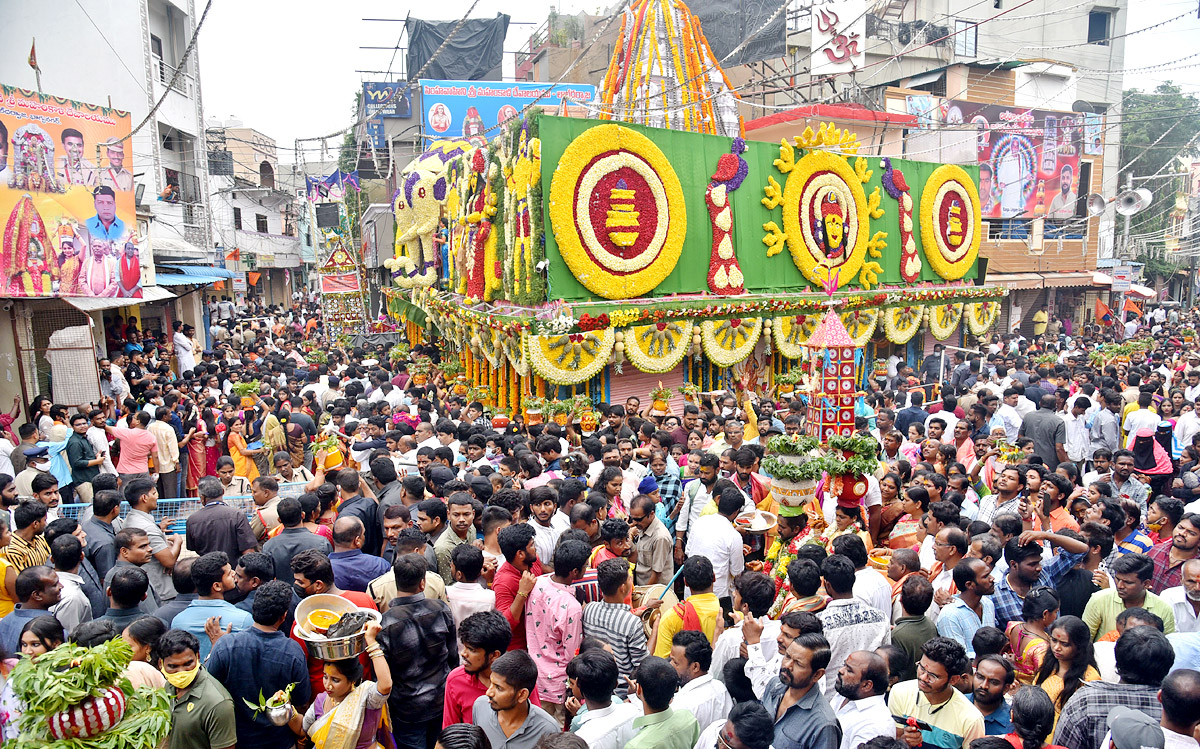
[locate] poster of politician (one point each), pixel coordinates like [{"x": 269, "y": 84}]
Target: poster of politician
[{"x": 66, "y": 199}]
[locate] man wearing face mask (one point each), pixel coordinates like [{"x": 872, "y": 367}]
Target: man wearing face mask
[{"x": 202, "y": 712}]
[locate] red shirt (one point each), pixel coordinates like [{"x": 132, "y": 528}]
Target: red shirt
[
  {"x": 505, "y": 583},
  {"x": 462, "y": 689}
]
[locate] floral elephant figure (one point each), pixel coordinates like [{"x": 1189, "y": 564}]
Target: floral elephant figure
[{"x": 424, "y": 194}]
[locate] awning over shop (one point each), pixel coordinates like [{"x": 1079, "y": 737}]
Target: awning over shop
[
  {"x": 98, "y": 304},
  {"x": 1061, "y": 280},
  {"x": 1144, "y": 292},
  {"x": 1008, "y": 280},
  {"x": 182, "y": 275}
]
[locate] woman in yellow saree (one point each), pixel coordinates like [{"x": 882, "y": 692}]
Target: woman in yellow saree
[{"x": 351, "y": 714}]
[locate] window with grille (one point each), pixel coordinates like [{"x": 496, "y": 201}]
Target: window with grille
[
  {"x": 260, "y": 223},
  {"x": 237, "y": 217}
]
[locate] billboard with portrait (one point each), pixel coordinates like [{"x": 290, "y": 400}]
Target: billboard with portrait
[
  {"x": 472, "y": 110},
  {"x": 66, "y": 199},
  {"x": 1028, "y": 158}
]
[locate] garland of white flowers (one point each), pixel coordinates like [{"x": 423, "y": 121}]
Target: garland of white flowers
[
  {"x": 944, "y": 319},
  {"x": 977, "y": 323},
  {"x": 539, "y": 358},
  {"x": 891, "y": 325},
  {"x": 719, "y": 353},
  {"x": 647, "y": 362},
  {"x": 864, "y": 334},
  {"x": 780, "y": 334},
  {"x": 514, "y": 351}
]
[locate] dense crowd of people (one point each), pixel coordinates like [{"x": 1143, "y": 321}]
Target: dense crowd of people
[{"x": 1023, "y": 572}]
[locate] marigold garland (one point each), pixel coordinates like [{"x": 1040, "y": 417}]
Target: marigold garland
[
  {"x": 576, "y": 205},
  {"x": 900, "y": 324},
  {"x": 569, "y": 358},
  {"x": 727, "y": 342},
  {"x": 812, "y": 179},
  {"x": 981, "y": 316},
  {"x": 944, "y": 320},
  {"x": 658, "y": 347},
  {"x": 860, "y": 324},
  {"x": 939, "y": 220}
]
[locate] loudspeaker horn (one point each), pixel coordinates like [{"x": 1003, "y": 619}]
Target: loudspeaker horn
[
  {"x": 1095, "y": 204},
  {"x": 1134, "y": 201}
]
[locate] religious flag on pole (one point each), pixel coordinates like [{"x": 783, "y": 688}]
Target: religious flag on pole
[
  {"x": 235, "y": 255},
  {"x": 33, "y": 63},
  {"x": 351, "y": 178},
  {"x": 1129, "y": 306},
  {"x": 335, "y": 178},
  {"x": 1104, "y": 315}
]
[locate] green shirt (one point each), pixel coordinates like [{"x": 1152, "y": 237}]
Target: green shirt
[
  {"x": 670, "y": 729},
  {"x": 444, "y": 547},
  {"x": 1102, "y": 608},
  {"x": 202, "y": 717},
  {"x": 909, "y": 634}
]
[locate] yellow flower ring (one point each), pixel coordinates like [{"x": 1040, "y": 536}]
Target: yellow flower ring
[
  {"x": 791, "y": 331},
  {"x": 514, "y": 351},
  {"x": 617, "y": 212},
  {"x": 727, "y": 342},
  {"x": 944, "y": 319},
  {"x": 981, "y": 316},
  {"x": 900, "y": 324},
  {"x": 860, "y": 324},
  {"x": 658, "y": 347},
  {"x": 815, "y": 177},
  {"x": 950, "y": 221},
  {"x": 570, "y": 358}
]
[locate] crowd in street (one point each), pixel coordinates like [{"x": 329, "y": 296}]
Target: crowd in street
[{"x": 1023, "y": 572}]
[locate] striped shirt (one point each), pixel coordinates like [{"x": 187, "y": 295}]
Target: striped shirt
[
  {"x": 615, "y": 624},
  {"x": 22, "y": 555}
]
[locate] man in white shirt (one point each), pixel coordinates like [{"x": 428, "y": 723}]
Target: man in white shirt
[
  {"x": 466, "y": 596},
  {"x": 607, "y": 724},
  {"x": 753, "y": 594},
  {"x": 1079, "y": 439},
  {"x": 99, "y": 441},
  {"x": 1141, "y": 418},
  {"x": 714, "y": 537},
  {"x": 1007, "y": 416},
  {"x": 849, "y": 624},
  {"x": 704, "y": 696},
  {"x": 1185, "y": 599},
  {"x": 859, "y": 705}
]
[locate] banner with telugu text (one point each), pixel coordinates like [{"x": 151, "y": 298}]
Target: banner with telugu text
[{"x": 66, "y": 199}]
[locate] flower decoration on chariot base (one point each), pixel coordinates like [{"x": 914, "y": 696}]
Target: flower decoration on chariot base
[
  {"x": 515, "y": 351},
  {"x": 981, "y": 316},
  {"x": 570, "y": 358},
  {"x": 861, "y": 324},
  {"x": 950, "y": 221},
  {"x": 727, "y": 342},
  {"x": 944, "y": 319},
  {"x": 900, "y": 324},
  {"x": 658, "y": 347},
  {"x": 825, "y": 210},
  {"x": 617, "y": 211},
  {"x": 789, "y": 333}
]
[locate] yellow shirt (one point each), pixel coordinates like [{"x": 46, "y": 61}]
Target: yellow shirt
[
  {"x": 6, "y": 604},
  {"x": 708, "y": 608}
]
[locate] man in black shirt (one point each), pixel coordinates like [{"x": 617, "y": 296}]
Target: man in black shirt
[{"x": 364, "y": 508}]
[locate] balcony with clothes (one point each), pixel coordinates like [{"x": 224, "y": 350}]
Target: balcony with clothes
[{"x": 183, "y": 204}]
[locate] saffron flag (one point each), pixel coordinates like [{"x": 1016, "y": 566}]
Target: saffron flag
[
  {"x": 1129, "y": 306},
  {"x": 33, "y": 56},
  {"x": 1104, "y": 315},
  {"x": 235, "y": 255}
]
